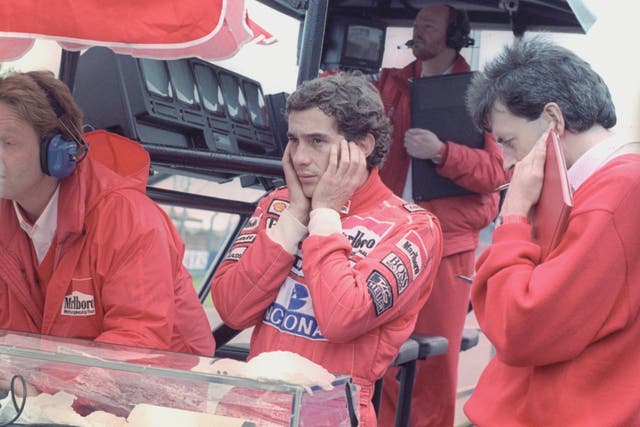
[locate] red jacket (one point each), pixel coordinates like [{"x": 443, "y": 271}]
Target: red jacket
[
  {"x": 118, "y": 275},
  {"x": 346, "y": 301},
  {"x": 478, "y": 170},
  {"x": 566, "y": 330}
]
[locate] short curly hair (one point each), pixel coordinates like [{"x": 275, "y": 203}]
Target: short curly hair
[{"x": 355, "y": 105}]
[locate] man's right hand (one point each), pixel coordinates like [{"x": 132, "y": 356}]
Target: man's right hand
[{"x": 299, "y": 204}]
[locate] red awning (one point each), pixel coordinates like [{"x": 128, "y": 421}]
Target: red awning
[{"x": 161, "y": 29}]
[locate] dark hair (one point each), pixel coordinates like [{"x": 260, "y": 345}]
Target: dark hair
[
  {"x": 530, "y": 73},
  {"x": 355, "y": 105},
  {"x": 458, "y": 29},
  {"x": 44, "y": 102}
]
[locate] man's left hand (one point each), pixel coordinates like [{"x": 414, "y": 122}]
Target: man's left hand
[
  {"x": 347, "y": 171},
  {"x": 422, "y": 143}
]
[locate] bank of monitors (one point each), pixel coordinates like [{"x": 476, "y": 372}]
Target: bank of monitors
[
  {"x": 186, "y": 103},
  {"x": 353, "y": 44}
]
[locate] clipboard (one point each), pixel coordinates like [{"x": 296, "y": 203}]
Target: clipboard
[
  {"x": 438, "y": 104},
  {"x": 551, "y": 215}
]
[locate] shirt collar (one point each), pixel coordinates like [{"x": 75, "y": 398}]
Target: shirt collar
[
  {"x": 594, "y": 158},
  {"x": 43, "y": 230}
]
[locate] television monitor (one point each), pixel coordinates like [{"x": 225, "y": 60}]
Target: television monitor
[
  {"x": 156, "y": 77},
  {"x": 256, "y": 105},
  {"x": 183, "y": 82},
  {"x": 234, "y": 97},
  {"x": 186, "y": 103},
  {"x": 354, "y": 44},
  {"x": 210, "y": 90}
]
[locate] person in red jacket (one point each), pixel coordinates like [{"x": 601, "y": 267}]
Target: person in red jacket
[
  {"x": 84, "y": 253},
  {"x": 439, "y": 33},
  {"x": 565, "y": 327},
  {"x": 334, "y": 266}
]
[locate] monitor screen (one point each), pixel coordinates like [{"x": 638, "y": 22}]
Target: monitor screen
[
  {"x": 363, "y": 42},
  {"x": 258, "y": 111},
  {"x": 353, "y": 43},
  {"x": 210, "y": 90},
  {"x": 234, "y": 97},
  {"x": 183, "y": 82},
  {"x": 156, "y": 77}
]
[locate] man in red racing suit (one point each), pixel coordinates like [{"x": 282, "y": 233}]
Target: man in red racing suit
[{"x": 339, "y": 281}]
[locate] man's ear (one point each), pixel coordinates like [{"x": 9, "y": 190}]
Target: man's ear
[
  {"x": 366, "y": 144},
  {"x": 552, "y": 113}
]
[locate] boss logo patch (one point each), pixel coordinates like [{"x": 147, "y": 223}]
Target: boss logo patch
[
  {"x": 398, "y": 269},
  {"x": 380, "y": 291}
]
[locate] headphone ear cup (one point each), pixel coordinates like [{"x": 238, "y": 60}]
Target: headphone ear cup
[
  {"x": 59, "y": 157},
  {"x": 44, "y": 158}
]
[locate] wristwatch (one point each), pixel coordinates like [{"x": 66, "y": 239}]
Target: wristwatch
[{"x": 511, "y": 219}]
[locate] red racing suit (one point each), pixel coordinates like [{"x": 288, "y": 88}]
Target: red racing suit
[
  {"x": 118, "y": 275},
  {"x": 346, "y": 300},
  {"x": 462, "y": 218}
]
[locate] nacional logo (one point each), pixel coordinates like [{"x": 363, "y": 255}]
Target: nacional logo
[
  {"x": 292, "y": 312},
  {"x": 364, "y": 233},
  {"x": 277, "y": 206},
  {"x": 398, "y": 269},
  {"x": 78, "y": 304}
]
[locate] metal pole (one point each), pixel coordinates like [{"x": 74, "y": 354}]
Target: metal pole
[{"x": 312, "y": 37}]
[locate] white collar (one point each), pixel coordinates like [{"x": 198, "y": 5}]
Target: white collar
[
  {"x": 596, "y": 157},
  {"x": 43, "y": 230}
]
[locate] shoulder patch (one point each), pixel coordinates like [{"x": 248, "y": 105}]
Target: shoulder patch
[
  {"x": 277, "y": 206},
  {"x": 252, "y": 222},
  {"x": 245, "y": 238},
  {"x": 380, "y": 291},
  {"x": 412, "y": 207},
  {"x": 398, "y": 269},
  {"x": 413, "y": 247},
  {"x": 235, "y": 253}
]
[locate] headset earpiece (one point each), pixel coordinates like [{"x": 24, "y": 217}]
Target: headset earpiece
[
  {"x": 58, "y": 157},
  {"x": 458, "y": 30}
]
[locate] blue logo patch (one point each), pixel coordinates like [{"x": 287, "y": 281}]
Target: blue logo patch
[{"x": 292, "y": 312}]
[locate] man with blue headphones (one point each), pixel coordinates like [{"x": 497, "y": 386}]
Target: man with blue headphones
[{"x": 84, "y": 252}]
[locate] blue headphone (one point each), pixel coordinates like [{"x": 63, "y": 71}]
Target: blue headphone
[{"x": 59, "y": 156}]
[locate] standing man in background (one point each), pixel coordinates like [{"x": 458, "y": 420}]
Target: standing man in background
[{"x": 439, "y": 33}]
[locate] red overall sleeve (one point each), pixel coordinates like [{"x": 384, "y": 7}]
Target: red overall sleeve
[
  {"x": 249, "y": 278},
  {"x": 477, "y": 169},
  {"x": 349, "y": 301}
]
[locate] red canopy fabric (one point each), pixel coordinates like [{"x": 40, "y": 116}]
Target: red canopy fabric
[{"x": 161, "y": 29}]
